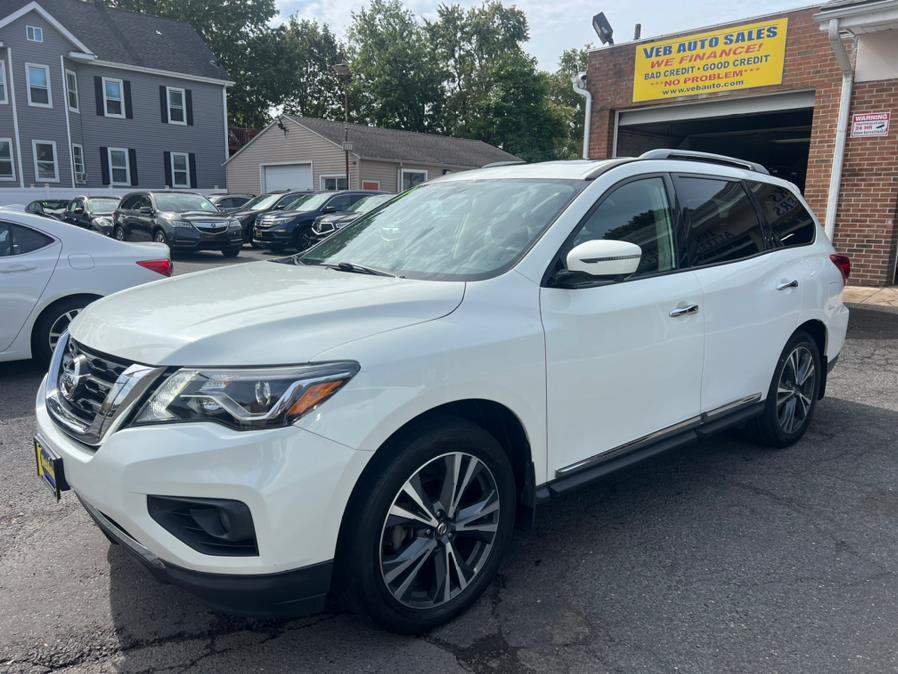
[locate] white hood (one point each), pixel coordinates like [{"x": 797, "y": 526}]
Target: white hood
[{"x": 260, "y": 313}]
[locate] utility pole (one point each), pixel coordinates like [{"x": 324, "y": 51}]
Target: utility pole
[{"x": 343, "y": 72}]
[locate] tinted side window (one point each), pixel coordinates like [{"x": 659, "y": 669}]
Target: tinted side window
[
  {"x": 126, "y": 204},
  {"x": 25, "y": 240},
  {"x": 788, "y": 220},
  {"x": 5, "y": 240},
  {"x": 721, "y": 220},
  {"x": 342, "y": 202},
  {"x": 637, "y": 212}
]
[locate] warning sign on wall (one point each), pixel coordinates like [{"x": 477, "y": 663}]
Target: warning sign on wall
[
  {"x": 727, "y": 59},
  {"x": 870, "y": 124}
]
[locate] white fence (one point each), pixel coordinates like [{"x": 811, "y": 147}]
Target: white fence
[{"x": 22, "y": 196}]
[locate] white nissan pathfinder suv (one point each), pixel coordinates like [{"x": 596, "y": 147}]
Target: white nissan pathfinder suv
[{"x": 368, "y": 419}]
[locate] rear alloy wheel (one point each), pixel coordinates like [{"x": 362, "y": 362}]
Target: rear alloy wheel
[
  {"x": 159, "y": 237},
  {"x": 792, "y": 396},
  {"x": 429, "y": 532},
  {"x": 119, "y": 233},
  {"x": 52, "y": 323}
]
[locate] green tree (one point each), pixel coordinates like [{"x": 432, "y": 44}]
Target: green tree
[
  {"x": 310, "y": 52},
  {"x": 237, "y": 32},
  {"x": 494, "y": 91},
  {"x": 570, "y": 106},
  {"x": 396, "y": 81}
]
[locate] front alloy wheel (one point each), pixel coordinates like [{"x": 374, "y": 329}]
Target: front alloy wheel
[
  {"x": 427, "y": 525},
  {"x": 439, "y": 531},
  {"x": 59, "y": 326}
]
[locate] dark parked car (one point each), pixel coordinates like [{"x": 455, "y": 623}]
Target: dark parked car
[
  {"x": 49, "y": 208},
  {"x": 292, "y": 227},
  {"x": 264, "y": 203},
  {"x": 92, "y": 213},
  {"x": 230, "y": 202},
  {"x": 325, "y": 225},
  {"x": 186, "y": 221}
]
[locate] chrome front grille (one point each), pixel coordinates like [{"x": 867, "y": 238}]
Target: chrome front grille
[
  {"x": 211, "y": 226},
  {"x": 89, "y": 394}
]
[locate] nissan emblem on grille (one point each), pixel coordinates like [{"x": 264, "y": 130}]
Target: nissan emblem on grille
[{"x": 74, "y": 371}]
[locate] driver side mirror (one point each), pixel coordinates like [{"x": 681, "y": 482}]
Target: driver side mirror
[
  {"x": 601, "y": 260},
  {"x": 146, "y": 210},
  {"x": 329, "y": 209},
  {"x": 78, "y": 211}
]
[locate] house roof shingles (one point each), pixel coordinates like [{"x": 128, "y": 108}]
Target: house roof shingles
[
  {"x": 130, "y": 38},
  {"x": 371, "y": 142}
]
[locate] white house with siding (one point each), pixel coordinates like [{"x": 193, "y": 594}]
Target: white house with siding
[{"x": 306, "y": 153}]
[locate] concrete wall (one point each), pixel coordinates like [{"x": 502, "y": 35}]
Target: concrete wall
[{"x": 144, "y": 132}]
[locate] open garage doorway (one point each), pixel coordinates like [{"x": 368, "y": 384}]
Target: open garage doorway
[{"x": 778, "y": 139}]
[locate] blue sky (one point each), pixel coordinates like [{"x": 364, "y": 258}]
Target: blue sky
[{"x": 556, "y": 26}]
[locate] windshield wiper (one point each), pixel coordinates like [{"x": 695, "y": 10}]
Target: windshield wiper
[{"x": 359, "y": 269}]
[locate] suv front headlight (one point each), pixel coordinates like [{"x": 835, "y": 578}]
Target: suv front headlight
[
  {"x": 181, "y": 223},
  {"x": 244, "y": 399}
]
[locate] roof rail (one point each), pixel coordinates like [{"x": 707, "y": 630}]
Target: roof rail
[
  {"x": 507, "y": 162},
  {"x": 711, "y": 158}
]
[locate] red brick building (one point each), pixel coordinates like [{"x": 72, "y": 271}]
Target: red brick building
[{"x": 840, "y": 64}]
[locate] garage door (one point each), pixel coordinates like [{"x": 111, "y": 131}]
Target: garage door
[{"x": 287, "y": 177}]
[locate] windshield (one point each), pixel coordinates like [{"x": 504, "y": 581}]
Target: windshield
[
  {"x": 459, "y": 230},
  {"x": 181, "y": 203},
  {"x": 366, "y": 204},
  {"x": 310, "y": 202},
  {"x": 102, "y": 205},
  {"x": 261, "y": 203}
]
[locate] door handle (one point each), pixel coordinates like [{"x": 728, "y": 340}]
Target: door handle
[
  {"x": 686, "y": 310},
  {"x": 787, "y": 284},
  {"x": 14, "y": 269}
]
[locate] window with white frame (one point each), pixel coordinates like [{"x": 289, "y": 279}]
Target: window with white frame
[
  {"x": 113, "y": 98},
  {"x": 180, "y": 169},
  {"x": 119, "y": 167},
  {"x": 410, "y": 177},
  {"x": 78, "y": 163},
  {"x": 333, "y": 182},
  {"x": 71, "y": 89},
  {"x": 34, "y": 33},
  {"x": 3, "y": 97},
  {"x": 177, "y": 110},
  {"x": 7, "y": 168},
  {"x": 38, "y": 78},
  {"x": 46, "y": 167}
]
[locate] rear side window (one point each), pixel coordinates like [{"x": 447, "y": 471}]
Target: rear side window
[
  {"x": 789, "y": 221},
  {"x": 637, "y": 212},
  {"x": 19, "y": 240},
  {"x": 722, "y": 224}
]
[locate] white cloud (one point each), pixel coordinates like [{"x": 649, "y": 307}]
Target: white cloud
[{"x": 556, "y": 26}]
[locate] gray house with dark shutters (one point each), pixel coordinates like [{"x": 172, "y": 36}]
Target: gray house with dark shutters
[{"x": 92, "y": 97}]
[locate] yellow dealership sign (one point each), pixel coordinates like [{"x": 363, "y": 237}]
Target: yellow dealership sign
[{"x": 740, "y": 57}]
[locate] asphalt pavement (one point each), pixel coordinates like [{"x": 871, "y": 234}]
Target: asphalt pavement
[{"x": 719, "y": 557}]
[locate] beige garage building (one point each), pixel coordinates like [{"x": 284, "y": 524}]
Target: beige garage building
[{"x": 305, "y": 153}]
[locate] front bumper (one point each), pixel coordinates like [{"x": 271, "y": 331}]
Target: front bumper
[
  {"x": 184, "y": 239},
  {"x": 295, "y": 483},
  {"x": 288, "y": 594},
  {"x": 272, "y": 237}
]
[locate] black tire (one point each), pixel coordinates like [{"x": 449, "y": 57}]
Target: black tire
[
  {"x": 231, "y": 252},
  {"x": 772, "y": 427},
  {"x": 54, "y": 319},
  {"x": 118, "y": 233},
  {"x": 303, "y": 240},
  {"x": 369, "y": 537},
  {"x": 159, "y": 236}
]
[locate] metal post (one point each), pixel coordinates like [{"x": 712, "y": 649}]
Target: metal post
[{"x": 346, "y": 128}]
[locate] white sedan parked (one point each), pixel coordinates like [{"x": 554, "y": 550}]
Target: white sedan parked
[{"x": 49, "y": 271}]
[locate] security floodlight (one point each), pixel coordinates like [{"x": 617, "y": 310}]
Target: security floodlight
[
  {"x": 341, "y": 69},
  {"x": 602, "y": 28}
]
